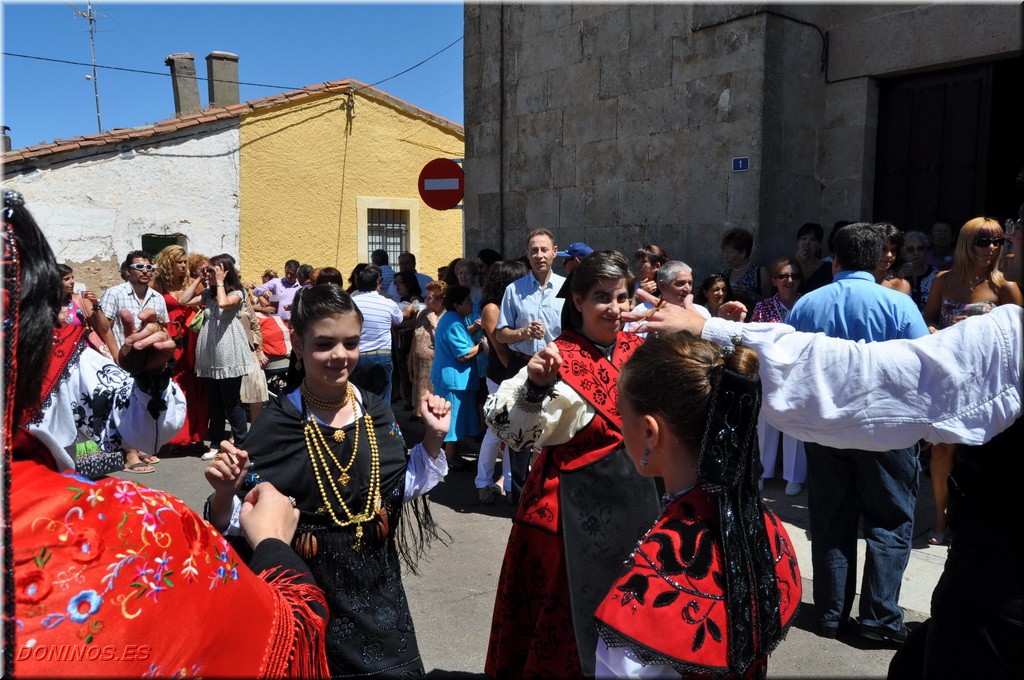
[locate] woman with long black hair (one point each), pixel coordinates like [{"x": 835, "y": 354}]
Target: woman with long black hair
[{"x": 222, "y": 350}]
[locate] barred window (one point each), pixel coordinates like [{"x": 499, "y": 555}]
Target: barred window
[{"x": 387, "y": 230}]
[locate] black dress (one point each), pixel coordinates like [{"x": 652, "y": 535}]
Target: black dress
[{"x": 370, "y": 630}]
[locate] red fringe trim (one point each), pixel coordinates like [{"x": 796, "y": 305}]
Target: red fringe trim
[{"x": 296, "y": 648}]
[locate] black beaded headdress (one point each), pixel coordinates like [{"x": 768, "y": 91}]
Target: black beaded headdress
[
  {"x": 728, "y": 467},
  {"x": 11, "y": 298}
]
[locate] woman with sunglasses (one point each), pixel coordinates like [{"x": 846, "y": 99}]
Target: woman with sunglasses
[
  {"x": 973, "y": 286},
  {"x": 787, "y": 276}
]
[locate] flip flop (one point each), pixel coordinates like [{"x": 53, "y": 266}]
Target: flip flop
[
  {"x": 149, "y": 460},
  {"x": 938, "y": 537},
  {"x": 137, "y": 468}
]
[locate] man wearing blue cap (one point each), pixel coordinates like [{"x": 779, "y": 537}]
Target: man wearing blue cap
[{"x": 571, "y": 257}]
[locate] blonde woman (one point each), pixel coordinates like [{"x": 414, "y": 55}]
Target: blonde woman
[
  {"x": 172, "y": 280},
  {"x": 974, "y": 285}
]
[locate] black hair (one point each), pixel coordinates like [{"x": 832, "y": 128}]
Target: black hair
[
  {"x": 499, "y": 276},
  {"x": 64, "y": 270},
  {"x": 291, "y": 264},
  {"x": 352, "y": 277},
  {"x": 893, "y": 234},
  {"x": 455, "y": 295},
  {"x": 858, "y": 246},
  {"x": 412, "y": 285},
  {"x": 600, "y": 265},
  {"x": 231, "y": 280},
  {"x": 700, "y": 296},
  {"x": 489, "y": 256},
  {"x": 38, "y": 301},
  {"x": 740, "y": 239},
  {"x": 134, "y": 255},
  {"x": 379, "y": 257},
  {"x": 317, "y": 302},
  {"x": 305, "y": 271},
  {"x": 811, "y": 228},
  {"x": 368, "y": 278},
  {"x": 840, "y": 224}
]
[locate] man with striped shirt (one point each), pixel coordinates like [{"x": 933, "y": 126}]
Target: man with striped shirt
[{"x": 380, "y": 315}]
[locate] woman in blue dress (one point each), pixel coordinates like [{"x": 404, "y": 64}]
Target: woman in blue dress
[{"x": 454, "y": 373}]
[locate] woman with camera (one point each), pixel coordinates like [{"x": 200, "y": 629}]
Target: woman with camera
[{"x": 222, "y": 350}]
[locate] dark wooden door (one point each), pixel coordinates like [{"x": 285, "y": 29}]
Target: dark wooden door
[{"x": 933, "y": 141}]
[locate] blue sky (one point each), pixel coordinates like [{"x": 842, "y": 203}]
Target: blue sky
[{"x": 278, "y": 44}]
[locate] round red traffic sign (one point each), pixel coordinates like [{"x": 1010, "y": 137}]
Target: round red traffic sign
[{"x": 442, "y": 184}]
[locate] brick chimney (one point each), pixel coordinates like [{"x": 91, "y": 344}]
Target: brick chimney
[
  {"x": 184, "y": 83},
  {"x": 222, "y": 77}
]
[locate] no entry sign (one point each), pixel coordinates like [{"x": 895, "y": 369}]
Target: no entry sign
[{"x": 442, "y": 184}]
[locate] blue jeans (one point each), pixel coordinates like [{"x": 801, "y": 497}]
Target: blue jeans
[
  {"x": 845, "y": 486},
  {"x": 373, "y": 374}
]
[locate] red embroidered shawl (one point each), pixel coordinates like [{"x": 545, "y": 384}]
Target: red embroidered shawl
[{"x": 669, "y": 606}]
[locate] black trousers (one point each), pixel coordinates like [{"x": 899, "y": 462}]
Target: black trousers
[{"x": 225, "y": 400}]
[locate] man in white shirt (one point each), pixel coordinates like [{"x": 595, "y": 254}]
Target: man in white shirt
[
  {"x": 407, "y": 263},
  {"x": 675, "y": 283},
  {"x": 380, "y": 315},
  {"x": 134, "y": 295}
]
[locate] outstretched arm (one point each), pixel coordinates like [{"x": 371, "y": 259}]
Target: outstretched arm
[{"x": 960, "y": 385}]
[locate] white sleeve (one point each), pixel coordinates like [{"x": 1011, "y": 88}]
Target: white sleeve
[
  {"x": 960, "y": 385},
  {"x": 523, "y": 425},
  {"x": 111, "y": 410},
  {"x": 234, "y": 527},
  {"x": 423, "y": 472},
  {"x": 620, "y": 662}
]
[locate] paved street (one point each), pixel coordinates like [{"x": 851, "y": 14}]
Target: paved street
[{"x": 453, "y": 596}]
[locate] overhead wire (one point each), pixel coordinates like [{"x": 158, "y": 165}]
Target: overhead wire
[{"x": 126, "y": 69}]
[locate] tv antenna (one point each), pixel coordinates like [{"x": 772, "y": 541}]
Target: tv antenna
[{"x": 90, "y": 16}]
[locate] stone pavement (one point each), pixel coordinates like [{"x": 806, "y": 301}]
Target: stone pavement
[{"x": 453, "y": 595}]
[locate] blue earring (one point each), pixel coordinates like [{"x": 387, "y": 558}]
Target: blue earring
[{"x": 643, "y": 456}]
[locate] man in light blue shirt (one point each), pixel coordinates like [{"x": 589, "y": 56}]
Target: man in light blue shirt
[
  {"x": 846, "y": 486},
  {"x": 530, "y": 318},
  {"x": 379, "y": 258},
  {"x": 531, "y": 311}
]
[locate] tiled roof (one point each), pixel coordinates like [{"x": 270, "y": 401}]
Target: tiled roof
[{"x": 197, "y": 120}]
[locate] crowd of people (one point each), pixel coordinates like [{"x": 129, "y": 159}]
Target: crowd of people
[{"x": 636, "y": 417}]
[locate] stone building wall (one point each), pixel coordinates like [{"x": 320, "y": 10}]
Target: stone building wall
[{"x": 617, "y": 124}]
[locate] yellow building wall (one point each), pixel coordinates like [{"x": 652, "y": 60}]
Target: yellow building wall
[{"x": 309, "y": 174}]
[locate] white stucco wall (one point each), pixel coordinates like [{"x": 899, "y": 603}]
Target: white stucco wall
[{"x": 97, "y": 208}]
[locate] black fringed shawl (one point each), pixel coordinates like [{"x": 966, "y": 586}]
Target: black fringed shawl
[{"x": 371, "y": 628}]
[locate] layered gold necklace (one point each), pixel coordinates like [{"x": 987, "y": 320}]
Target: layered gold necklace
[{"x": 320, "y": 453}]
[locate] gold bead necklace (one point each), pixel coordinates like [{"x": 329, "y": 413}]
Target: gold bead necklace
[
  {"x": 319, "y": 451},
  {"x": 326, "y": 404}
]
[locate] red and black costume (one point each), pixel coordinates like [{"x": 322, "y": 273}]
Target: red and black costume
[
  {"x": 675, "y": 581},
  {"x": 583, "y": 508}
]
